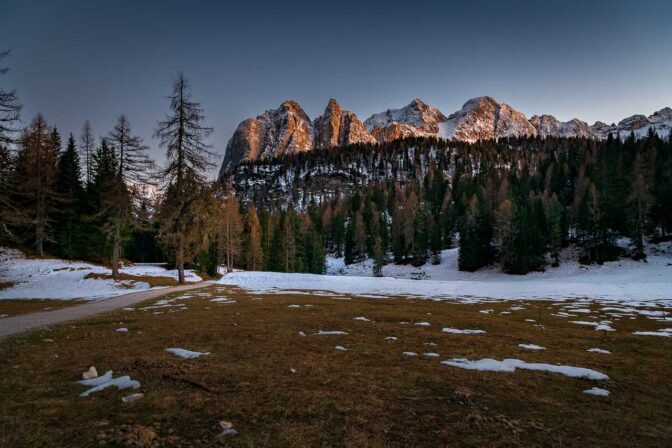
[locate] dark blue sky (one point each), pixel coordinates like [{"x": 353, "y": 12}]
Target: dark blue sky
[{"x": 79, "y": 59}]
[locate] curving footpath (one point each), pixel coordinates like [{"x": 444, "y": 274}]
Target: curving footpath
[{"x": 13, "y": 325}]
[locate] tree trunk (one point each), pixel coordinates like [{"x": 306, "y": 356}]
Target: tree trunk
[
  {"x": 40, "y": 248},
  {"x": 180, "y": 261},
  {"x": 116, "y": 252}
]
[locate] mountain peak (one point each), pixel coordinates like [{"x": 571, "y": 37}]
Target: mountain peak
[
  {"x": 417, "y": 119},
  {"x": 338, "y": 127},
  {"x": 484, "y": 118}
]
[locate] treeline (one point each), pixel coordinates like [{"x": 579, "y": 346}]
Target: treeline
[{"x": 517, "y": 201}]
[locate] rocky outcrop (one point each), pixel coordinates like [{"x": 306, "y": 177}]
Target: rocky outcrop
[
  {"x": 549, "y": 126},
  {"x": 417, "y": 119},
  {"x": 484, "y": 118},
  {"x": 285, "y": 130},
  {"x": 339, "y": 127}
]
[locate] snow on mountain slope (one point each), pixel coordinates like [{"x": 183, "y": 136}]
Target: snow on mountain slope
[
  {"x": 549, "y": 126},
  {"x": 621, "y": 281},
  {"x": 484, "y": 118},
  {"x": 417, "y": 119}
]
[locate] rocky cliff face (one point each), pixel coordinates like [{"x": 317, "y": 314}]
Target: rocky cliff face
[
  {"x": 418, "y": 119},
  {"x": 484, "y": 118},
  {"x": 276, "y": 132},
  {"x": 288, "y": 130},
  {"x": 549, "y": 126},
  {"x": 338, "y": 127}
]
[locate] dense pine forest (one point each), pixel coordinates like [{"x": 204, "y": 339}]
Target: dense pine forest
[{"x": 514, "y": 202}]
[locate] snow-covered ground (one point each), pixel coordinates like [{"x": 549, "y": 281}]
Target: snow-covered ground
[
  {"x": 61, "y": 279},
  {"x": 624, "y": 280}
]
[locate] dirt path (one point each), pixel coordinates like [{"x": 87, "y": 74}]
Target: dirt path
[{"x": 13, "y": 325}]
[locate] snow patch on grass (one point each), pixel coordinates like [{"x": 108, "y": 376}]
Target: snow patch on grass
[
  {"x": 457, "y": 331},
  {"x": 597, "y": 391},
  {"x": 186, "y": 354},
  {"x": 510, "y": 365},
  {"x": 104, "y": 381},
  {"x": 531, "y": 347}
]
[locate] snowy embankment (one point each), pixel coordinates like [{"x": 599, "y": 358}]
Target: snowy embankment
[
  {"x": 65, "y": 280},
  {"x": 623, "y": 281}
]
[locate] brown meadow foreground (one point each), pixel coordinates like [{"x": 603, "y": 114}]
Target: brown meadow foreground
[{"x": 279, "y": 384}]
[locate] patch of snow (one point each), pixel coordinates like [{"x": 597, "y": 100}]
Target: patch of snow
[
  {"x": 531, "y": 347},
  {"x": 341, "y": 348},
  {"x": 122, "y": 330},
  {"x": 599, "y": 326},
  {"x": 410, "y": 354},
  {"x": 363, "y": 319},
  {"x": 431, "y": 355},
  {"x": 619, "y": 281},
  {"x": 53, "y": 278},
  {"x": 456, "y": 331},
  {"x": 104, "y": 381},
  {"x": 186, "y": 354},
  {"x": 330, "y": 333},
  {"x": 597, "y": 391},
  {"x": 599, "y": 350},
  {"x": 510, "y": 365},
  {"x": 664, "y": 334}
]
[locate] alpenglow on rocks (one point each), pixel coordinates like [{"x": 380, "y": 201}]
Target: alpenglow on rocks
[{"x": 289, "y": 130}]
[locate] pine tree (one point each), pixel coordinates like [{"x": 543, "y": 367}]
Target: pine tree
[
  {"x": 229, "y": 230},
  {"x": 378, "y": 258},
  {"x": 554, "y": 214},
  {"x": 505, "y": 231},
  {"x": 475, "y": 237},
  {"x": 87, "y": 149},
  {"x": 9, "y": 116},
  {"x": 101, "y": 194},
  {"x": 69, "y": 188},
  {"x": 36, "y": 169},
  {"x": 639, "y": 200},
  {"x": 253, "y": 249},
  {"x": 133, "y": 169},
  {"x": 10, "y": 111},
  {"x": 183, "y": 134}
]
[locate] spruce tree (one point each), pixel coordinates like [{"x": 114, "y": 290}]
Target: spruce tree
[{"x": 69, "y": 188}]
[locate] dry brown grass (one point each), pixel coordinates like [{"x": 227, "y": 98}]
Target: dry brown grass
[
  {"x": 369, "y": 396},
  {"x": 153, "y": 281},
  {"x": 16, "y": 307}
]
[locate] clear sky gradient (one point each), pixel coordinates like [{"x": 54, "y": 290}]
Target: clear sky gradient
[{"x": 83, "y": 59}]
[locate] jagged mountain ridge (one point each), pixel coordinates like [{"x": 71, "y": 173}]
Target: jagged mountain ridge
[{"x": 288, "y": 129}]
